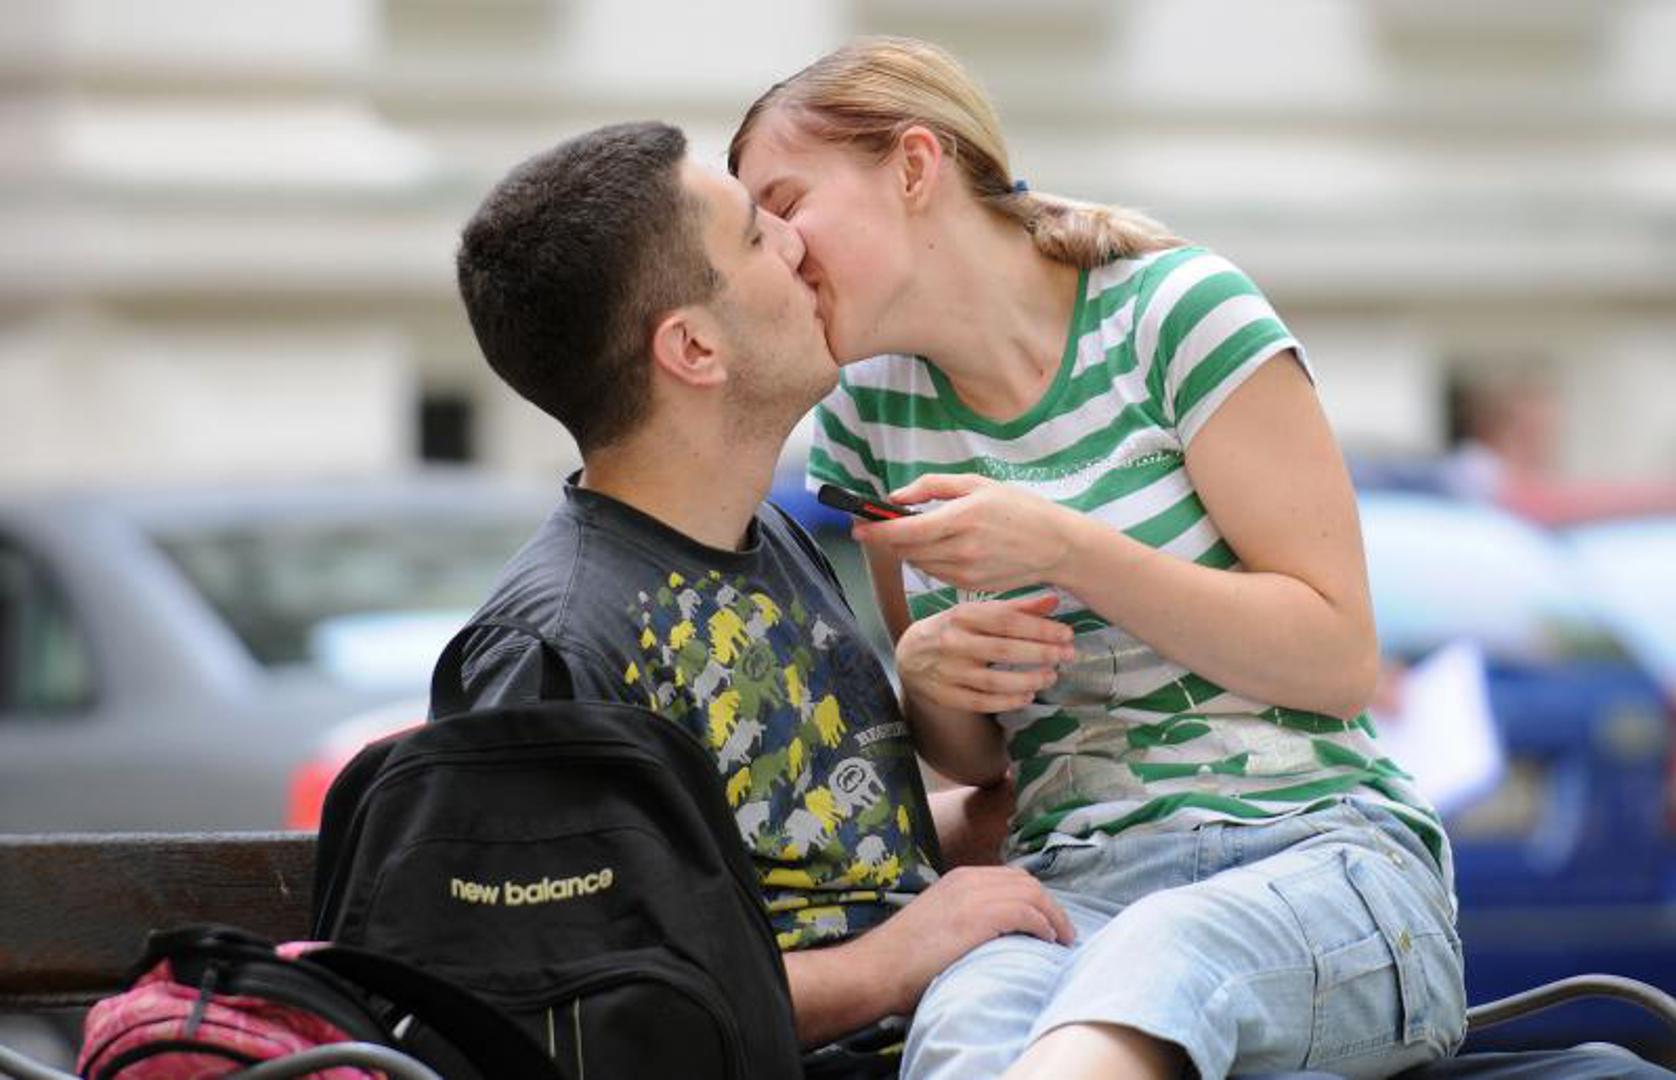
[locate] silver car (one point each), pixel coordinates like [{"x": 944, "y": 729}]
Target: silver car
[{"x": 168, "y": 658}]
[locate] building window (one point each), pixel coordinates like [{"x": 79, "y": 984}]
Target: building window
[{"x": 446, "y": 428}]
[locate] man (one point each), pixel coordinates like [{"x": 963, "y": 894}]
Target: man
[{"x": 649, "y": 306}]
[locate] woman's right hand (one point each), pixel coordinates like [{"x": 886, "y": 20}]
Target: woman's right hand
[{"x": 952, "y": 659}]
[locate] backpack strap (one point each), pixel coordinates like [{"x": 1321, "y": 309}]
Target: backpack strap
[
  {"x": 489, "y": 1039},
  {"x": 448, "y": 686}
]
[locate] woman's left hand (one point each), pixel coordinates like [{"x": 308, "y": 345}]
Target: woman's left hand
[{"x": 987, "y": 536}]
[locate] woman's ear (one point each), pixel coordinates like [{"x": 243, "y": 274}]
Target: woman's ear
[
  {"x": 921, "y": 163},
  {"x": 685, "y": 347}
]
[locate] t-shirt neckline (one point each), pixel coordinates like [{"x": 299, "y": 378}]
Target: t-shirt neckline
[{"x": 1044, "y": 406}]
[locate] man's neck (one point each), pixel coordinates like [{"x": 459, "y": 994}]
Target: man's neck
[{"x": 700, "y": 487}]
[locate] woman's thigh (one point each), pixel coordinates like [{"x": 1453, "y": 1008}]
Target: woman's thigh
[
  {"x": 1331, "y": 954},
  {"x": 975, "y": 1018}
]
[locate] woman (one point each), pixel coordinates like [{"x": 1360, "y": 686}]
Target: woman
[{"x": 1136, "y": 577}]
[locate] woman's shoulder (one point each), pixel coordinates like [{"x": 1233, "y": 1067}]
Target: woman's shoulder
[
  {"x": 1153, "y": 265},
  {"x": 1153, "y": 282}
]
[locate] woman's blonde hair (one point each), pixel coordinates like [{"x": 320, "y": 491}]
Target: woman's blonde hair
[{"x": 866, "y": 94}]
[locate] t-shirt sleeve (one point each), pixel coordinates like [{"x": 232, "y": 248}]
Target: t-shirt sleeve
[
  {"x": 1205, "y": 328},
  {"x": 838, "y": 452},
  {"x": 505, "y": 667}
]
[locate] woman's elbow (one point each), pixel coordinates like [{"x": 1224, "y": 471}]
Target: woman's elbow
[{"x": 1357, "y": 678}]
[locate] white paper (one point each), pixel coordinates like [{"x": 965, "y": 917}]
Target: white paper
[{"x": 1444, "y": 733}]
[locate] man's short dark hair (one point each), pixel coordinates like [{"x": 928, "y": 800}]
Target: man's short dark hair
[{"x": 569, "y": 263}]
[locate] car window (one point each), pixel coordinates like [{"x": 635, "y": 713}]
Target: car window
[
  {"x": 292, "y": 590},
  {"x": 1442, "y": 570},
  {"x": 1629, "y": 568},
  {"x": 45, "y": 663}
]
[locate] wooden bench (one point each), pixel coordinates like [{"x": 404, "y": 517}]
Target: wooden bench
[{"x": 75, "y": 909}]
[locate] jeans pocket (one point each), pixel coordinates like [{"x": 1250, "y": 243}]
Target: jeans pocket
[{"x": 1377, "y": 952}]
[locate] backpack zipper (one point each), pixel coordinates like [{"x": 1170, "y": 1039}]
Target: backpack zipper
[{"x": 694, "y": 986}]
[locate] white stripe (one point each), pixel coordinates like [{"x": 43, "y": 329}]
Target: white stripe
[
  {"x": 1164, "y": 299},
  {"x": 888, "y": 371},
  {"x": 842, "y": 406},
  {"x": 1195, "y": 540},
  {"x": 1115, "y": 273}
]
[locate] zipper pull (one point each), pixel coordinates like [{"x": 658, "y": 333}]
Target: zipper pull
[{"x": 206, "y": 989}]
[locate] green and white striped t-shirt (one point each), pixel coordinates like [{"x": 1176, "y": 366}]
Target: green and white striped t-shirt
[{"x": 1126, "y": 739}]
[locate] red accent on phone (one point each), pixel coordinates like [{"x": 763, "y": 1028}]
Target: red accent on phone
[{"x": 862, "y": 507}]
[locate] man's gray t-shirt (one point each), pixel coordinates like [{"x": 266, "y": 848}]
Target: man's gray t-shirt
[{"x": 756, "y": 654}]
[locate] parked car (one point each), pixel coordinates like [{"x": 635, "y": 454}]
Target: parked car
[
  {"x": 168, "y": 657},
  {"x": 1566, "y": 864}
]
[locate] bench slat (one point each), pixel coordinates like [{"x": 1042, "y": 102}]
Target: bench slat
[{"x": 75, "y": 909}]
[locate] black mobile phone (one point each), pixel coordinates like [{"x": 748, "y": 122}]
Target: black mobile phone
[{"x": 859, "y": 505}]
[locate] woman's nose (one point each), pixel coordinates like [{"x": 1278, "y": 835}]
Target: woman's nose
[{"x": 791, "y": 244}]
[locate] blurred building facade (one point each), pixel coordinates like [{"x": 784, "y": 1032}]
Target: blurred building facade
[{"x": 226, "y": 231}]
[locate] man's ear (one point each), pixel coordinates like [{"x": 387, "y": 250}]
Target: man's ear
[
  {"x": 920, "y": 163},
  {"x": 684, "y": 347}
]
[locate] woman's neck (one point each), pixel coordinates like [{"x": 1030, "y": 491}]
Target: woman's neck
[{"x": 993, "y": 313}]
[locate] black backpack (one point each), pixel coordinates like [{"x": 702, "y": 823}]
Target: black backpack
[{"x": 577, "y": 865}]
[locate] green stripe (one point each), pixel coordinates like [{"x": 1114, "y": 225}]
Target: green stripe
[
  {"x": 1192, "y": 306},
  {"x": 930, "y": 603},
  {"x": 1031, "y": 770},
  {"x": 1112, "y": 299},
  {"x": 1081, "y": 622},
  {"x": 833, "y": 428},
  {"x": 1313, "y": 789},
  {"x": 898, "y": 408},
  {"x": 1161, "y": 528},
  {"x": 1151, "y": 772},
  {"x": 1218, "y": 557},
  {"x": 1156, "y": 276},
  {"x": 1183, "y": 694},
  {"x": 1332, "y": 754},
  {"x": 1029, "y": 742},
  {"x": 924, "y": 412},
  {"x": 823, "y": 468},
  {"x": 1224, "y": 360},
  {"x": 1311, "y": 723},
  {"x": 1176, "y": 730}
]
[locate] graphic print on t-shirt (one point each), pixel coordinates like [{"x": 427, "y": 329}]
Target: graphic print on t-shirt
[{"x": 787, "y": 705}]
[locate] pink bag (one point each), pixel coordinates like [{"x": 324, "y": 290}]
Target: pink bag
[{"x": 215, "y": 1004}]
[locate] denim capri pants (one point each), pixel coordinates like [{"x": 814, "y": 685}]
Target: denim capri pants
[{"x": 1325, "y": 940}]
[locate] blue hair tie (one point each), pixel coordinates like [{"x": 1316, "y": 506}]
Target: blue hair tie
[{"x": 1020, "y": 187}]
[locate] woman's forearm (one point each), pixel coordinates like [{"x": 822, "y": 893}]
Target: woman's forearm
[
  {"x": 967, "y": 747},
  {"x": 1266, "y": 636}
]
